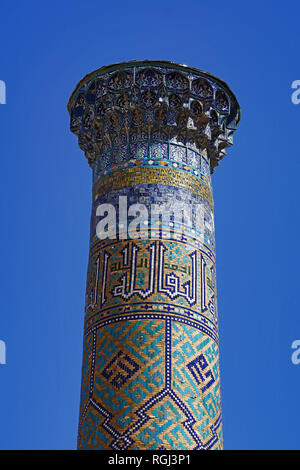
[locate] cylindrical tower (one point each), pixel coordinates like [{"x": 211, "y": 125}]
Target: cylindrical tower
[{"x": 152, "y": 131}]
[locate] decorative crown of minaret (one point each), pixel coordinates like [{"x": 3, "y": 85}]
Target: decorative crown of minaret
[{"x": 153, "y": 100}]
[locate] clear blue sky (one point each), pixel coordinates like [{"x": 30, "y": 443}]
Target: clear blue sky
[{"x": 46, "y": 192}]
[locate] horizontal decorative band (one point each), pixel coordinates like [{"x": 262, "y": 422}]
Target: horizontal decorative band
[
  {"x": 151, "y": 153},
  {"x": 211, "y": 332},
  {"x": 97, "y": 245},
  {"x": 151, "y": 276},
  {"x": 165, "y": 176},
  {"x": 154, "y": 164}
]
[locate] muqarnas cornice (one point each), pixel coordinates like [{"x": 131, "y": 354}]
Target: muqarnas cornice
[{"x": 153, "y": 101}]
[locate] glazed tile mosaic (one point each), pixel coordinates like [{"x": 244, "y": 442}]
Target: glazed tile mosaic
[
  {"x": 167, "y": 176},
  {"x": 152, "y": 132}
]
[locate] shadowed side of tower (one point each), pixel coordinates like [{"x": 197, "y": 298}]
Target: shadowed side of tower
[{"x": 152, "y": 131}]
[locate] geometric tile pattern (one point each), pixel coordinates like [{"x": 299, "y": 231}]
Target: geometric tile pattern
[
  {"x": 160, "y": 405},
  {"x": 119, "y": 370}
]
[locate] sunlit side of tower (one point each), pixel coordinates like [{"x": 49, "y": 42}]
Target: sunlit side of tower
[{"x": 153, "y": 132}]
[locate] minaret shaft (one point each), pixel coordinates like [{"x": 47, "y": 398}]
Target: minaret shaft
[{"x": 152, "y": 132}]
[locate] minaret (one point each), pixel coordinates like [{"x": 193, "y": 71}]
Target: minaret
[{"x": 153, "y": 132}]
